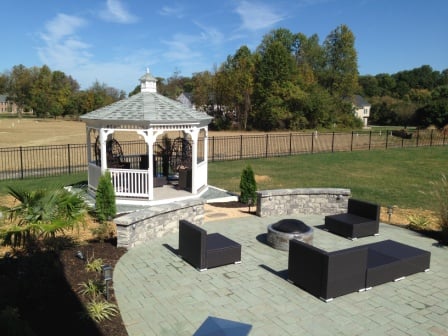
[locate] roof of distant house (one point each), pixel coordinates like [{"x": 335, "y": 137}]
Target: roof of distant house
[{"x": 359, "y": 101}]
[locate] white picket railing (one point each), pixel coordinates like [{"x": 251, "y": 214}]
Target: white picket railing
[{"x": 130, "y": 183}]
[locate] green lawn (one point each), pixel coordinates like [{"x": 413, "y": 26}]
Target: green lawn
[{"x": 401, "y": 177}]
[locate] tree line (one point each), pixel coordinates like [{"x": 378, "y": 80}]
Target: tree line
[
  {"x": 53, "y": 93},
  {"x": 290, "y": 81}
]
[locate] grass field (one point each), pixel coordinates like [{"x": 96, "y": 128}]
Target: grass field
[{"x": 401, "y": 177}]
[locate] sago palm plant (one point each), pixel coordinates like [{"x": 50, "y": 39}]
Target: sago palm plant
[{"x": 40, "y": 214}]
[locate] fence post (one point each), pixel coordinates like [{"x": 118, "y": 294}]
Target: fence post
[
  {"x": 387, "y": 137},
  {"x": 241, "y": 146},
  {"x": 418, "y": 137},
  {"x": 430, "y": 141},
  {"x": 69, "y": 159},
  {"x": 351, "y": 143},
  {"x": 332, "y": 142},
  {"x": 290, "y": 143},
  {"x": 21, "y": 163},
  {"x": 312, "y": 143},
  {"x": 267, "y": 145},
  {"x": 370, "y": 139},
  {"x": 213, "y": 148}
]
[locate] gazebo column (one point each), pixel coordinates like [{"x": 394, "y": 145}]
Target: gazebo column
[
  {"x": 206, "y": 154},
  {"x": 89, "y": 145},
  {"x": 150, "y": 137},
  {"x": 104, "y": 133},
  {"x": 194, "y": 159}
]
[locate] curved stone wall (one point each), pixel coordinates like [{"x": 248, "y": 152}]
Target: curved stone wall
[
  {"x": 155, "y": 221},
  {"x": 302, "y": 201}
]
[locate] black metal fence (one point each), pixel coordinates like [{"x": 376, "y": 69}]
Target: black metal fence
[{"x": 39, "y": 161}]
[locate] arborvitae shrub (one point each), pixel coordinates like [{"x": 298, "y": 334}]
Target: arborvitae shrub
[
  {"x": 248, "y": 186},
  {"x": 106, "y": 208}
]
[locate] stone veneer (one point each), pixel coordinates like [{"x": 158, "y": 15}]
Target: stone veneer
[
  {"x": 143, "y": 225},
  {"x": 302, "y": 201}
]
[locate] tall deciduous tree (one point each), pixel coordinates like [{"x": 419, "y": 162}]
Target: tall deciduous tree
[
  {"x": 237, "y": 76},
  {"x": 20, "y": 83},
  {"x": 309, "y": 58},
  {"x": 341, "y": 76},
  {"x": 276, "y": 78}
]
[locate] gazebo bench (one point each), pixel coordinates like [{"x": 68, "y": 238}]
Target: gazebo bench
[
  {"x": 362, "y": 219},
  {"x": 204, "y": 250},
  {"x": 327, "y": 275}
]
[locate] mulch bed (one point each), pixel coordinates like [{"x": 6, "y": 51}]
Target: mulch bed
[{"x": 43, "y": 288}]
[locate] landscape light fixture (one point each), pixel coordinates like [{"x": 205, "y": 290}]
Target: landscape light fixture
[
  {"x": 390, "y": 211},
  {"x": 106, "y": 271},
  {"x": 80, "y": 255}
]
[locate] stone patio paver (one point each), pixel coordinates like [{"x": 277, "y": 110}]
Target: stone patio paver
[{"x": 160, "y": 294}]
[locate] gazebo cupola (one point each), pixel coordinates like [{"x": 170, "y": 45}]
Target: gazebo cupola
[
  {"x": 148, "y": 83},
  {"x": 137, "y": 176}
]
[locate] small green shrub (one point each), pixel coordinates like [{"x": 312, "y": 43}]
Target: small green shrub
[
  {"x": 94, "y": 265},
  {"x": 100, "y": 310},
  {"x": 105, "y": 206},
  {"x": 418, "y": 222},
  {"x": 440, "y": 193},
  {"x": 91, "y": 288},
  {"x": 104, "y": 231},
  {"x": 248, "y": 186}
]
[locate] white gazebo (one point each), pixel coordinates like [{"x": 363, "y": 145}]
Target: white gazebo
[{"x": 148, "y": 115}]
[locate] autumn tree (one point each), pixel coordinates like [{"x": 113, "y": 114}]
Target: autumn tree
[
  {"x": 275, "y": 86},
  {"x": 19, "y": 87},
  {"x": 236, "y": 80},
  {"x": 341, "y": 75}
]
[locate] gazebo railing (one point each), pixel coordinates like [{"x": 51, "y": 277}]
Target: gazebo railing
[{"x": 130, "y": 183}]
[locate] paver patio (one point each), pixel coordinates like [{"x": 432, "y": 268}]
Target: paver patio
[{"x": 160, "y": 294}]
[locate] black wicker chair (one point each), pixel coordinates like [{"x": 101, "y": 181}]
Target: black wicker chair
[
  {"x": 361, "y": 220},
  {"x": 204, "y": 250}
]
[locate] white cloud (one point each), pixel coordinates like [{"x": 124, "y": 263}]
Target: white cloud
[
  {"x": 62, "y": 48},
  {"x": 257, "y": 16},
  {"x": 176, "y": 11},
  {"x": 210, "y": 34},
  {"x": 61, "y": 26},
  {"x": 116, "y": 12},
  {"x": 181, "y": 48}
]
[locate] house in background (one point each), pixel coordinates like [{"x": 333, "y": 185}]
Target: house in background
[
  {"x": 10, "y": 107},
  {"x": 362, "y": 109},
  {"x": 7, "y": 106},
  {"x": 186, "y": 99}
]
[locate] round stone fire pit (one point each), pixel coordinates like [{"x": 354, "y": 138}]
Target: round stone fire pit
[{"x": 282, "y": 231}]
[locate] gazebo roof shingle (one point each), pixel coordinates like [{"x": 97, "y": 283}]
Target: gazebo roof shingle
[{"x": 149, "y": 108}]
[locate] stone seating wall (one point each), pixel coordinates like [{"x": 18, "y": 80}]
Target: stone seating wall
[
  {"x": 302, "y": 201},
  {"x": 140, "y": 226}
]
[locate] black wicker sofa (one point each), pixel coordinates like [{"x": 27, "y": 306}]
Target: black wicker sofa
[
  {"x": 362, "y": 219},
  {"x": 327, "y": 275},
  {"x": 204, "y": 250}
]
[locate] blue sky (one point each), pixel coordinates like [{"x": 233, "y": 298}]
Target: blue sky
[{"x": 114, "y": 41}]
